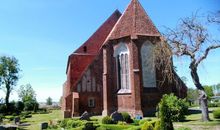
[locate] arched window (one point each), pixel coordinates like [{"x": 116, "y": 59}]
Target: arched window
[
  {"x": 121, "y": 55},
  {"x": 148, "y": 65}
]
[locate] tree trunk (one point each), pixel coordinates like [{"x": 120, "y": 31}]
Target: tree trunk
[
  {"x": 7, "y": 97},
  {"x": 202, "y": 94}
]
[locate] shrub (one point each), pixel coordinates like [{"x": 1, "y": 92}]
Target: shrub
[
  {"x": 107, "y": 120},
  {"x": 157, "y": 125},
  {"x": 177, "y": 108},
  {"x": 3, "y": 109},
  {"x": 63, "y": 123},
  {"x": 184, "y": 128},
  {"x": 216, "y": 113},
  {"x": 141, "y": 122},
  {"x": 11, "y": 118},
  {"x": 147, "y": 126},
  {"x": 121, "y": 123},
  {"x": 19, "y": 106},
  {"x": 126, "y": 117},
  {"x": 89, "y": 126},
  {"x": 74, "y": 123},
  {"x": 136, "y": 122},
  {"x": 165, "y": 115}
]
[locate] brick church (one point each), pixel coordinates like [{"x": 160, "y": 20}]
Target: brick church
[{"x": 114, "y": 69}]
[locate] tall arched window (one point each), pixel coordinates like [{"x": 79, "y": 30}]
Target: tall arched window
[
  {"x": 121, "y": 55},
  {"x": 148, "y": 65}
]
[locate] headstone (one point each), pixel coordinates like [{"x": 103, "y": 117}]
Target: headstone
[
  {"x": 85, "y": 116},
  {"x": 43, "y": 125},
  {"x": 116, "y": 116},
  {"x": 2, "y": 128},
  {"x": 17, "y": 120}
]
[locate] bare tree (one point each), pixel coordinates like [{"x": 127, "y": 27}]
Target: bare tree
[{"x": 191, "y": 39}]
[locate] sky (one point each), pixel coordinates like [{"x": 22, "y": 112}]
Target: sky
[{"x": 41, "y": 34}]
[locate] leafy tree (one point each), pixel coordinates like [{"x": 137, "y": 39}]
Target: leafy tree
[
  {"x": 192, "y": 39},
  {"x": 9, "y": 75},
  {"x": 26, "y": 93},
  {"x": 209, "y": 91},
  {"x": 192, "y": 94},
  {"x": 49, "y": 101},
  {"x": 28, "y": 96}
]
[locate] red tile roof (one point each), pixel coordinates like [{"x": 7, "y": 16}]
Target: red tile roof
[
  {"x": 80, "y": 59},
  {"x": 134, "y": 22}
]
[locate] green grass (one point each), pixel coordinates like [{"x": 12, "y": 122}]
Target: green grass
[
  {"x": 194, "y": 122},
  {"x": 40, "y": 118}
]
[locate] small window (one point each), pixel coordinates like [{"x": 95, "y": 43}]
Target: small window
[
  {"x": 85, "y": 49},
  {"x": 91, "y": 102}
]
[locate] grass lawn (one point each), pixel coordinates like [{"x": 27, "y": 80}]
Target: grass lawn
[
  {"x": 39, "y": 118},
  {"x": 194, "y": 122}
]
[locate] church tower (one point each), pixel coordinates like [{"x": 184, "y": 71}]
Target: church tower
[{"x": 128, "y": 61}]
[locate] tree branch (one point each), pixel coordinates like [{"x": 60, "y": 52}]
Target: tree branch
[{"x": 206, "y": 53}]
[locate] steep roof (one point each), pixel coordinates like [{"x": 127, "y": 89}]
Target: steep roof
[
  {"x": 134, "y": 22},
  {"x": 95, "y": 42}
]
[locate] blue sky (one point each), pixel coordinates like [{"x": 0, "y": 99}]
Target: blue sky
[{"x": 42, "y": 33}]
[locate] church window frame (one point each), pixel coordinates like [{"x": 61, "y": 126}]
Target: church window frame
[
  {"x": 148, "y": 65},
  {"x": 121, "y": 55}
]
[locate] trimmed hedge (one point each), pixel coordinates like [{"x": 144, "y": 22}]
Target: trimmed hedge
[{"x": 107, "y": 120}]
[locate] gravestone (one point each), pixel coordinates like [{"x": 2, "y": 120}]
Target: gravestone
[
  {"x": 85, "y": 116},
  {"x": 43, "y": 125},
  {"x": 116, "y": 116},
  {"x": 17, "y": 120},
  {"x": 2, "y": 128}
]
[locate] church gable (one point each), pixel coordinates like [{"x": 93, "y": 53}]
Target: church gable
[{"x": 134, "y": 22}]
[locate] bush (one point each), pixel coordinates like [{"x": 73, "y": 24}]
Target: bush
[
  {"x": 63, "y": 123},
  {"x": 107, "y": 120},
  {"x": 31, "y": 106},
  {"x": 141, "y": 122},
  {"x": 74, "y": 123},
  {"x": 147, "y": 126},
  {"x": 11, "y": 118},
  {"x": 157, "y": 125},
  {"x": 126, "y": 117},
  {"x": 19, "y": 106},
  {"x": 89, "y": 126},
  {"x": 183, "y": 128},
  {"x": 3, "y": 109},
  {"x": 176, "y": 108},
  {"x": 216, "y": 113}
]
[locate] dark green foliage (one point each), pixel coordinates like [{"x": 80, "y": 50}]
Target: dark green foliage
[
  {"x": 147, "y": 126},
  {"x": 126, "y": 117},
  {"x": 3, "y": 109},
  {"x": 216, "y": 114},
  {"x": 31, "y": 105},
  {"x": 49, "y": 101},
  {"x": 89, "y": 126},
  {"x": 9, "y": 75},
  {"x": 107, "y": 120},
  {"x": 19, "y": 106},
  {"x": 165, "y": 115},
  {"x": 177, "y": 108}
]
